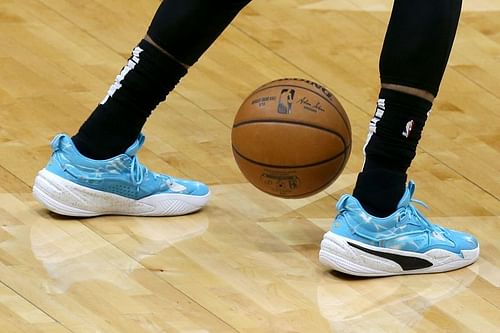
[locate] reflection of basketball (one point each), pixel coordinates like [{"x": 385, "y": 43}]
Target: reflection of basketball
[{"x": 291, "y": 138}]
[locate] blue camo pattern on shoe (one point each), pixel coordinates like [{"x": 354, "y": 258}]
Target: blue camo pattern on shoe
[
  {"x": 404, "y": 242},
  {"x": 122, "y": 175}
]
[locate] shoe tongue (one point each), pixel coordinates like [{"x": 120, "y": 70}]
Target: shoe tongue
[
  {"x": 406, "y": 199},
  {"x": 134, "y": 148}
]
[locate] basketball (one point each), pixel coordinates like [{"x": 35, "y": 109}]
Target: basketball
[{"x": 291, "y": 138}]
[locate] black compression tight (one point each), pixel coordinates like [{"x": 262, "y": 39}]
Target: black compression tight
[
  {"x": 418, "y": 42},
  {"x": 186, "y": 28}
]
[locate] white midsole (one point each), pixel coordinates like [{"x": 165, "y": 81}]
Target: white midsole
[
  {"x": 68, "y": 198},
  {"x": 337, "y": 254}
]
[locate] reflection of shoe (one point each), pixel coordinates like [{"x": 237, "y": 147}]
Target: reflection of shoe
[
  {"x": 74, "y": 185},
  {"x": 374, "y": 305},
  {"x": 405, "y": 242}
]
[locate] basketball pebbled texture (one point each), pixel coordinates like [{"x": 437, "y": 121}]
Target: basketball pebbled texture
[{"x": 291, "y": 138}]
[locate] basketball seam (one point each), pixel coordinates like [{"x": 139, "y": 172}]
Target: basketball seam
[
  {"x": 346, "y": 121},
  {"x": 290, "y": 167},
  {"x": 291, "y": 122}
]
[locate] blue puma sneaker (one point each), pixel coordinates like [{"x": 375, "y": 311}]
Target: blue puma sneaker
[
  {"x": 72, "y": 184},
  {"x": 405, "y": 242}
]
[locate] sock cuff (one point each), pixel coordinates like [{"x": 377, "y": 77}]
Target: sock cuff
[
  {"x": 151, "y": 75},
  {"x": 405, "y": 101},
  {"x": 162, "y": 61}
]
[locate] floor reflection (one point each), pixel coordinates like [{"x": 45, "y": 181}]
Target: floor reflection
[
  {"x": 385, "y": 304},
  {"x": 76, "y": 254}
]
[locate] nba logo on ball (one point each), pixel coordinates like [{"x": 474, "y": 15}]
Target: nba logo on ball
[
  {"x": 294, "y": 144},
  {"x": 286, "y": 101}
]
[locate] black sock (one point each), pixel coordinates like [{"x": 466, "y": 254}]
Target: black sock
[
  {"x": 142, "y": 84},
  {"x": 394, "y": 133},
  {"x": 380, "y": 190}
]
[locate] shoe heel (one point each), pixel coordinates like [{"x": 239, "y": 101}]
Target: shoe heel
[
  {"x": 337, "y": 254},
  {"x": 50, "y": 192}
]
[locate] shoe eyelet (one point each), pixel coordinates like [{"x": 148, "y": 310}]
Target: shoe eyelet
[{"x": 401, "y": 217}]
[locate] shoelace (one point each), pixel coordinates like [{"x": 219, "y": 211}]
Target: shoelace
[
  {"x": 412, "y": 211},
  {"x": 138, "y": 172}
]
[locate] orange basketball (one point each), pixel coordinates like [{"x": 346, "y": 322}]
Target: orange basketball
[{"x": 291, "y": 138}]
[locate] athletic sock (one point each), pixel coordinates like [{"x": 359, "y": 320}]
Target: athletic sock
[
  {"x": 117, "y": 121},
  {"x": 391, "y": 146}
]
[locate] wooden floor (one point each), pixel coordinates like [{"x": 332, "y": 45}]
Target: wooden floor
[{"x": 248, "y": 262}]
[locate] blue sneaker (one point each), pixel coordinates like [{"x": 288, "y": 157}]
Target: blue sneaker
[
  {"x": 405, "y": 242},
  {"x": 72, "y": 184}
]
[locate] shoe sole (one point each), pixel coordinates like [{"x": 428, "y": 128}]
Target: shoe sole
[
  {"x": 355, "y": 258},
  {"x": 65, "y": 197}
]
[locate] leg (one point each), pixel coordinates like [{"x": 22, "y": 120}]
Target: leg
[
  {"x": 378, "y": 231},
  {"x": 179, "y": 34},
  {"x": 97, "y": 172},
  {"x": 413, "y": 60}
]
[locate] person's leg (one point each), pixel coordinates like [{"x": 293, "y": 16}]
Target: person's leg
[
  {"x": 412, "y": 63},
  {"x": 378, "y": 231},
  {"x": 96, "y": 172},
  {"x": 179, "y": 34}
]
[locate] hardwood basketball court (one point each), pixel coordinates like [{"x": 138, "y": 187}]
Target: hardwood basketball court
[{"x": 249, "y": 261}]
